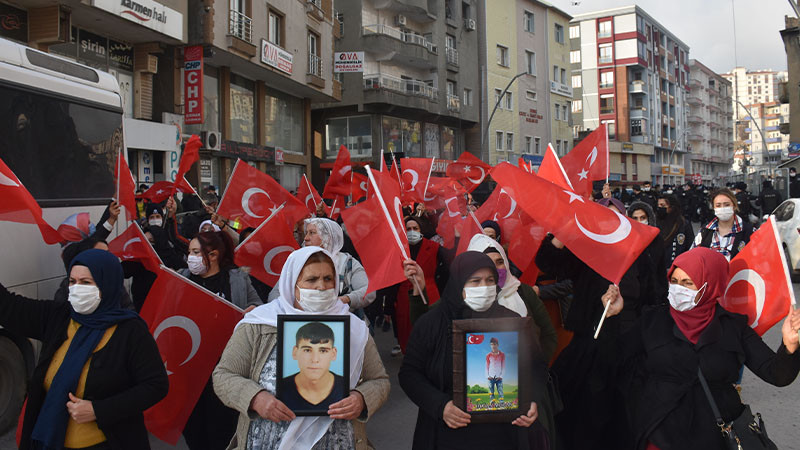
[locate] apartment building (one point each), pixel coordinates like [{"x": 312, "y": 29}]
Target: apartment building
[
  {"x": 418, "y": 91},
  {"x": 710, "y": 117},
  {"x": 632, "y": 74},
  {"x": 559, "y": 55}
]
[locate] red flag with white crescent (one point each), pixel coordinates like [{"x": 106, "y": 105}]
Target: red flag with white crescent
[
  {"x": 760, "y": 286},
  {"x": 474, "y": 338},
  {"x": 415, "y": 173},
  {"x": 266, "y": 249},
  {"x": 469, "y": 171},
  {"x": 161, "y": 190},
  {"x": 605, "y": 240},
  {"x": 341, "y": 176},
  {"x": 588, "y": 161},
  {"x": 307, "y": 194},
  {"x": 19, "y": 206},
  {"x": 552, "y": 170},
  {"x": 126, "y": 187},
  {"x": 359, "y": 188},
  {"x": 191, "y": 327},
  {"x": 191, "y": 154},
  {"x": 133, "y": 245}
]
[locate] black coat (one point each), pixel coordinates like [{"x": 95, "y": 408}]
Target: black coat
[
  {"x": 666, "y": 402},
  {"x": 125, "y": 377},
  {"x": 677, "y": 239}
]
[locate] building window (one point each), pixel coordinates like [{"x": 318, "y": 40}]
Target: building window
[
  {"x": 537, "y": 145},
  {"x": 606, "y": 79},
  {"x": 467, "y": 97},
  {"x": 563, "y": 76},
  {"x": 577, "y": 81},
  {"x": 355, "y": 133},
  {"x": 604, "y": 29},
  {"x": 530, "y": 62},
  {"x": 558, "y": 147},
  {"x": 558, "y": 111},
  {"x": 612, "y": 128},
  {"x": 314, "y": 59},
  {"x": 275, "y": 28},
  {"x": 502, "y": 56},
  {"x": 528, "y": 145},
  {"x": 605, "y": 54},
  {"x": 242, "y": 115},
  {"x": 574, "y": 31},
  {"x": 606, "y": 104},
  {"x": 401, "y": 135},
  {"x": 527, "y": 22},
  {"x": 531, "y": 95},
  {"x": 497, "y": 94},
  {"x": 509, "y": 142},
  {"x": 283, "y": 123},
  {"x": 555, "y": 73},
  {"x": 559, "y": 33},
  {"x": 577, "y": 106},
  {"x": 636, "y": 127},
  {"x": 498, "y": 140},
  {"x": 575, "y": 57},
  {"x": 509, "y": 101}
]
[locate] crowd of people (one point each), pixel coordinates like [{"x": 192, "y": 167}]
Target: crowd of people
[{"x": 640, "y": 385}]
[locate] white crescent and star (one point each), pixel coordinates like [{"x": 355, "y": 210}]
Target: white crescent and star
[
  {"x": 479, "y": 180},
  {"x": 414, "y": 178},
  {"x": 583, "y": 174},
  {"x": 618, "y": 235},
  {"x": 343, "y": 171},
  {"x": 246, "y": 201},
  {"x": 363, "y": 186},
  {"x": 272, "y": 254},
  {"x": 310, "y": 197},
  {"x": 6, "y": 181},
  {"x": 127, "y": 243},
  {"x": 592, "y": 156},
  {"x": 187, "y": 325},
  {"x": 511, "y": 209},
  {"x": 754, "y": 279},
  {"x": 449, "y": 211},
  {"x": 573, "y": 196}
]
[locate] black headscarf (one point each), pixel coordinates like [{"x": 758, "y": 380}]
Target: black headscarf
[
  {"x": 461, "y": 269},
  {"x": 493, "y": 225}
]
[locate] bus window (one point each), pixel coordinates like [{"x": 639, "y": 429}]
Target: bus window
[{"x": 63, "y": 152}]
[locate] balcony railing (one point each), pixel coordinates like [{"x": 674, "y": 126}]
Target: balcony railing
[
  {"x": 453, "y": 102},
  {"x": 241, "y": 26},
  {"x": 405, "y": 36},
  {"x": 395, "y": 84},
  {"x": 315, "y": 65},
  {"x": 452, "y": 55}
]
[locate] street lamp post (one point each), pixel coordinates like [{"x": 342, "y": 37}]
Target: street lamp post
[
  {"x": 672, "y": 151},
  {"x": 496, "y": 104},
  {"x": 764, "y": 150}
]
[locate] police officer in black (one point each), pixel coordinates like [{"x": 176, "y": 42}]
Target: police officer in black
[
  {"x": 743, "y": 199},
  {"x": 794, "y": 183},
  {"x": 769, "y": 198}
]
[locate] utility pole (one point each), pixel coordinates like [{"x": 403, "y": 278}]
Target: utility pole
[
  {"x": 764, "y": 150},
  {"x": 485, "y": 144}
]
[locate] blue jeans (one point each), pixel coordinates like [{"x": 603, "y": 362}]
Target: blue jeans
[{"x": 498, "y": 382}]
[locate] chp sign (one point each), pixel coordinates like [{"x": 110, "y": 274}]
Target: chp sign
[{"x": 193, "y": 85}]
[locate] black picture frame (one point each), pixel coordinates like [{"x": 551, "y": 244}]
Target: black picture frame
[
  {"x": 462, "y": 329},
  {"x": 286, "y": 390}
]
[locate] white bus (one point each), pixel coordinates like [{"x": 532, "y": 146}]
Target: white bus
[{"x": 60, "y": 132}]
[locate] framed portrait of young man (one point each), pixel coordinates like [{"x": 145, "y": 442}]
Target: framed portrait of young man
[
  {"x": 491, "y": 368},
  {"x": 313, "y": 369}
]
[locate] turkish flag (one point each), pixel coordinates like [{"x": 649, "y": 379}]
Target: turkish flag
[
  {"x": 523, "y": 246},
  {"x": 339, "y": 203},
  {"x": 474, "y": 339},
  {"x": 191, "y": 327},
  {"x": 359, "y": 187},
  {"x": 444, "y": 192},
  {"x": 760, "y": 286},
  {"x": 552, "y": 170},
  {"x": 588, "y": 161},
  {"x": 266, "y": 249},
  {"x": 341, "y": 176},
  {"x": 527, "y": 167},
  {"x": 191, "y": 154},
  {"x": 394, "y": 173},
  {"x": 379, "y": 234},
  {"x": 605, "y": 240},
  {"x": 416, "y": 173},
  {"x": 133, "y": 245},
  {"x": 468, "y": 170},
  {"x": 19, "y": 206},
  {"x": 307, "y": 194},
  {"x": 126, "y": 187},
  {"x": 162, "y": 190},
  {"x": 252, "y": 195},
  {"x": 503, "y": 209}
]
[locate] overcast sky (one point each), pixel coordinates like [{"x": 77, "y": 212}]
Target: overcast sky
[{"x": 706, "y": 26}]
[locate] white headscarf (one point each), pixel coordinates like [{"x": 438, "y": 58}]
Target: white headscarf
[
  {"x": 332, "y": 238},
  {"x": 508, "y": 295},
  {"x": 208, "y": 222},
  {"x": 304, "y": 432}
]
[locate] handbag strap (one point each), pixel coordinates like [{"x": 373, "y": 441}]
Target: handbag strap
[{"x": 711, "y": 401}]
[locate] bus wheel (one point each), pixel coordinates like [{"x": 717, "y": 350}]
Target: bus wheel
[{"x": 12, "y": 384}]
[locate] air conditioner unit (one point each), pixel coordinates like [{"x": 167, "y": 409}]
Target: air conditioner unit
[
  {"x": 469, "y": 24},
  {"x": 400, "y": 20},
  {"x": 212, "y": 140}
]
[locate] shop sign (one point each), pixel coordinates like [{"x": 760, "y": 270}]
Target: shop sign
[
  {"x": 120, "y": 55},
  {"x": 278, "y": 157},
  {"x": 146, "y": 13},
  {"x": 193, "y": 85},
  {"x": 13, "y": 23},
  {"x": 247, "y": 152},
  {"x": 276, "y": 57},
  {"x": 344, "y": 62},
  {"x": 531, "y": 116},
  {"x": 205, "y": 171},
  {"x": 92, "y": 48},
  {"x": 560, "y": 89},
  {"x": 145, "y": 167},
  {"x": 627, "y": 147}
]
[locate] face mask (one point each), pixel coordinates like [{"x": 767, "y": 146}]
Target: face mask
[
  {"x": 502, "y": 274},
  {"x": 312, "y": 300},
  {"x": 628, "y": 190},
  {"x": 669, "y": 191},
  {"x": 155, "y": 222},
  {"x": 83, "y": 298},
  {"x": 682, "y": 298},
  {"x": 480, "y": 298},
  {"x": 414, "y": 237},
  {"x": 724, "y": 213},
  {"x": 661, "y": 212},
  {"x": 196, "y": 265},
  {"x": 646, "y": 189}
]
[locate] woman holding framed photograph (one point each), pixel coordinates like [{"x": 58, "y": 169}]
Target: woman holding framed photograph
[
  {"x": 426, "y": 375},
  {"x": 245, "y": 378}
]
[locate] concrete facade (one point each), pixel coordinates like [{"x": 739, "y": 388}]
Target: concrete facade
[
  {"x": 710, "y": 133},
  {"x": 560, "y": 89},
  {"x": 791, "y": 42}
]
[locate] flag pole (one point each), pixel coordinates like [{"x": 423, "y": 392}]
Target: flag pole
[
  {"x": 602, "y": 319},
  {"x": 608, "y": 157},
  {"x": 425, "y": 192},
  {"x": 391, "y": 226},
  {"x": 274, "y": 213},
  {"x": 399, "y": 175},
  {"x": 309, "y": 189},
  {"x": 472, "y": 214}
]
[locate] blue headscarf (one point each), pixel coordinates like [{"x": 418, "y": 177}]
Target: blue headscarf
[{"x": 51, "y": 425}]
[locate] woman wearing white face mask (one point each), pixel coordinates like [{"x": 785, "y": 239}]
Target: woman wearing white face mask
[
  {"x": 426, "y": 375},
  {"x": 245, "y": 377},
  {"x": 667, "y": 403},
  {"x": 727, "y": 233},
  {"x": 99, "y": 367}
]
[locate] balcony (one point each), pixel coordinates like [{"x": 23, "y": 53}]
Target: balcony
[
  {"x": 240, "y": 34},
  {"x": 713, "y": 91},
  {"x": 380, "y": 88},
  {"x": 453, "y": 103},
  {"x": 695, "y": 137},
  {"x": 314, "y": 9},
  {"x": 694, "y": 101},
  {"x": 663, "y": 96},
  {"x": 637, "y": 87},
  {"x": 639, "y": 112},
  {"x": 694, "y": 118},
  {"x": 451, "y": 56},
  {"x": 338, "y": 25},
  {"x": 713, "y": 107},
  {"x": 314, "y": 72},
  {"x": 405, "y": 47},
  {"x": 664, "y": 120},
  {"x": 695, "y": 83}
]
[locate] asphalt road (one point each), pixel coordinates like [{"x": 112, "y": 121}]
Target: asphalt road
[{"x": 392, "y": 428}]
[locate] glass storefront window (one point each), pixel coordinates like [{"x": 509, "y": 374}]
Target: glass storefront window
[
  {"x": 400, "y": 135},
  {"x": 210, "y": 105},
  {"x": 431, "y": 140},
  {"x": 283, "y": 121},
  {"x": 242, "y": 110},
  {"x": 448, "y": 143},
  {"x": 353, "y": 132}
]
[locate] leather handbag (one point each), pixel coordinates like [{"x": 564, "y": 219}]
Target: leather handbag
[{"x": 746, "y": 432}]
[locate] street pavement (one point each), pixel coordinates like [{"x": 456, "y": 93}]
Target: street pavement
[{"x": 392, "y": 427}]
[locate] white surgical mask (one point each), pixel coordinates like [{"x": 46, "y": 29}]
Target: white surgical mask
[
  {"x": 682, "y": 298},
  {"x": 196, "y": 265},
  {"x": 646, "y": 189},
  {"x": 724, "y": 213},
  {"x": 313, "y": 300},
  {"x": 84, "y": 298},
  {"x": 155, "y": 222},
  {"x": 414, "y": 237},
  {"x": 480, "y": 298}
]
